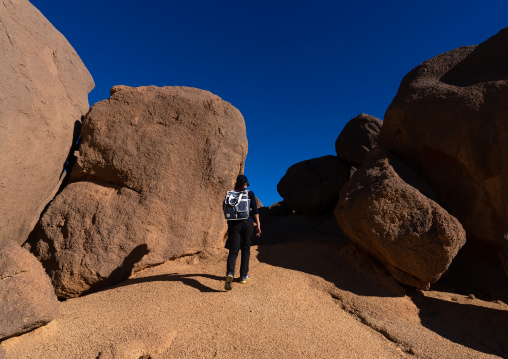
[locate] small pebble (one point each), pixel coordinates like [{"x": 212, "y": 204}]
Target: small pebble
[
  {"x": 455, "y": 299},
  {"x": 471, "y": 296}
]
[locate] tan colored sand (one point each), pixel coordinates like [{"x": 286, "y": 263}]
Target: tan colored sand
[{"x": 289, "y": 309}]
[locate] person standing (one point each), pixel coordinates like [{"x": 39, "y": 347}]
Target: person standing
[{"x": 240, "y": 235}]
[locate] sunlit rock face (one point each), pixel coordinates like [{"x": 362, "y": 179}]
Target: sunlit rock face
[
  {"x": 449, "y": 121},
  {"x": 44, "y": 90},
  {"x": 386, "y": 209},
  {"x": 153, "y": 168},
  {"x": 27, "y": 298}
]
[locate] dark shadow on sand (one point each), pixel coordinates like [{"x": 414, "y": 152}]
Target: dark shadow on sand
[
  {"x": 187, "y": 279},
  {"x": 301, "y": 247},
  {"x": 315, "y": 245},
  {"x": 476, "y": 327},
  {"x": 120, "y": 276},
  {"x": 122, "y": 272}
]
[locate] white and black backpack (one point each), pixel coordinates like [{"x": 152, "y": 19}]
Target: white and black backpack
[{"x": 236, "y": 205}]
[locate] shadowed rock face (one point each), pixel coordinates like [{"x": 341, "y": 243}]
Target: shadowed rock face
[
  {"x": 449, "y": 121},
  {"x": 152, "y": 171},
  {"x": 44, "y": 90},
  {"x": 357, "y": 138},
  {"x": 504, "y": 253},
  {"x": 27, "y": 299},
  {"x": 383, "y": 210},
  {"x": 313, "y": 186}
]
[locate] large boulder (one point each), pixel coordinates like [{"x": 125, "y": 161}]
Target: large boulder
[
  {"x": 357, "y": 138},
  {"x": 152, "y": 171},
  {"x": 27, "y": 298},
  {"x": 313, "y": 186},
  {"x": 449, "y": 121},
  {"x": 385, "y": 209},
  {"x": 44, "y": 90}
]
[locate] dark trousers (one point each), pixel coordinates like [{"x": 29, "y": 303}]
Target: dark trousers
[{"x": 239, "y": 238}]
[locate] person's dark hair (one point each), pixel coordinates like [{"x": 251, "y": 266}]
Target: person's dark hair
[{"x": 241, "y": 181}]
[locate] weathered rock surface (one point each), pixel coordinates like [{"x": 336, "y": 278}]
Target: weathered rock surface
[
  {"x": 449, "y": 121},
  {"x": 504, "y": 253},
  {"x": 153, "y": 168},
  {"x": 44, "y": 90},
  {"x": 382, "y": 211},
  {"x": 27, "y": 299},
  {"x": 313, "y": 186},
  {"x": 258, "y": 203},
  {"x": 357, "y": 138}
]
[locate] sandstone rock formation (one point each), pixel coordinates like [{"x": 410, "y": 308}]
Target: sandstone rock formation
[
  {"x": 357, "y": 138},
  {"x": 313, "y": 186},
  {"x": 504, "y": 253},
  {"x": 258, "y": 203},
  {"x": 448, "y": 121},
  {"x": 152, "y": 171},
  {"x": 44, "y": 90},
  {"x": 383, "y": 210},
  {"x": 27, "y": 299}
]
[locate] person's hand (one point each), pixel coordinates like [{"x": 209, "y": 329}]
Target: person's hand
[{"x": 258, "y": 231}]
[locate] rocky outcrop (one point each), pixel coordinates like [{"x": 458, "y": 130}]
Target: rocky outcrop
[
  {"x": 384, "y": 210},
  {"x": 313, "y": 186},
  {"x": 152, "y": 171},
  {"x": 27, "y": 299},
  {"x": 357, "y": 138},
  {"x": 504, "y": 253},
  {"x": 448, "y": 121},
  {"x": 44, "y": 90}
]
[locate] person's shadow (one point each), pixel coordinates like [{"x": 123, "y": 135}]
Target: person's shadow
[
  {"x": 120, "y": 276},
  {"x": 122, "y": 272},
  {"x": 187, "y": 279}
]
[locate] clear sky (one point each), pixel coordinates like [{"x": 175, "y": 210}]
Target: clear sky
[{"x": 296, "y": 70}]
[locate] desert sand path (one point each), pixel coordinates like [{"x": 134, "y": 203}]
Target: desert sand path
[{"x": 181, "y": 310}]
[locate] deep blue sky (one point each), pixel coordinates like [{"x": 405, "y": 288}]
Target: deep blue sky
[{"x": 296, "y": 70}]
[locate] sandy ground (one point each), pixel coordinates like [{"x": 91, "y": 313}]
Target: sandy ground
[{"x": 319, "y": 299}]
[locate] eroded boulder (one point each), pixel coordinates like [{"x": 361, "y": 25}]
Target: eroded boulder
[
  {"x": 386, "y": 210},
  {"x": 449, "y": 121},
  {"x": 153, "y": 168},
  {"x": 357, "y": 138},
  {"x": 44, "y": 90},
  {"x": 27, "y": 298},
  {"x": 313, "y": 186}
]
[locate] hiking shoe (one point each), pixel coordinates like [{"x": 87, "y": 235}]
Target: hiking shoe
[
  {"x": 244, "y": 279},
  {"x": 229, "y": 282}
]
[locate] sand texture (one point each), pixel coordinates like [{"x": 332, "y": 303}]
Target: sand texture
[{"x": 306, "y": 299}]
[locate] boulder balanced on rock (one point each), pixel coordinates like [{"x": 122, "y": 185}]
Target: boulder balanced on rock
[
  {"x": 153, "y": 167},
  {"x": 357, "y": 138},
  {"x": 449, "y": 122},
  {"x": 383, "y": 209}
]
